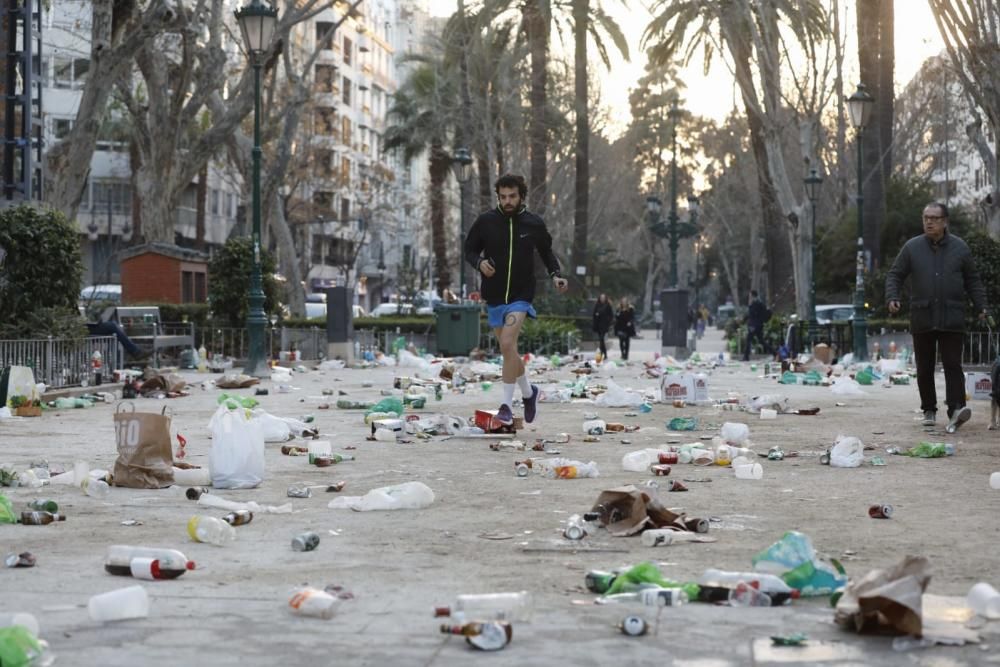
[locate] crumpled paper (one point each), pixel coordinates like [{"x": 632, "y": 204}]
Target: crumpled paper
[
  {"x": 628, "y": 511},
  {"x": 886, "y": 601}
]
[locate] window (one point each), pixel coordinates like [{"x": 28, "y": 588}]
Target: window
[
  {"x": 345, "y": 131},
  {"x": 187, "y": 286},
  {"x": 407, "y": 256},
  {"x": 326, "y": 78},
  {"x": 216, "y": 208},
  {"x": 326, "y": 121},
  {"x": 62, "y": 74},
  {"x": 347, "y": 50},
  {"x": 200, "y": 287},
  {"x": 316, "y": 256},
  {"x": 345, "y": 171},
  {"x": 321, "y": 29},
  {"x": 346, "y": 92},
  {"x": 323, "y": 199},
  {"x": 323, "y": 163},
  {"x": 230, "y": 205},
  {"x": 119, "y": 193},
  {"x": 345, "y": 209},
  {"x": 61, "y": 127}
]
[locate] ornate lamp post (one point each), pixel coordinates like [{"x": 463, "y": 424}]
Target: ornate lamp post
[
  {"x": 859, "y": 108},
  {"x": 462, "y": 165},
  {"x": 813, "y": 182},
  {"x": 257, "y": 21}
]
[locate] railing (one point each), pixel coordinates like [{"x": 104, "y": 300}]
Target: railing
[
  {"x": 981, "y": 349},
  {"x": 62, "y": 362},
  {"x": 234, "y": 342}
]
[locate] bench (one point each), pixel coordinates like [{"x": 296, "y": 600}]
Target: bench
[{"x": 143, "y": 325}]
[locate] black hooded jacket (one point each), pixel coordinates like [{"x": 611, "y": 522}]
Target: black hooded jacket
[{"x": 509, "y": 242}]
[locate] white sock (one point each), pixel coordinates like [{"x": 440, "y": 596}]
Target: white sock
[
  {"x": 525, "y": 386},
  {"x": 508, "y": 394}
]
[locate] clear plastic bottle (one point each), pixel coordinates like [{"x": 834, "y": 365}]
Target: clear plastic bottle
[
  {"x": 211, "y": 530},
  {"x": 563, "y": 468},
  {"x": 649, "y": 597},
  {"x": 745, "y": 595},
  {"x": 515, "y": 606},
  {"x": 723, "y": 455},
  {"x": 491, "y": 636},
  {"x": 96, "y": 488},
  {"x": 767, "y": 583}
]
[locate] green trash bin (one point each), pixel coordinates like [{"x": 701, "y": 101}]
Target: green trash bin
[{"x": 457, "y": 328}]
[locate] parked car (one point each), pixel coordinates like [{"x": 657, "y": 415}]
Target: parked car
[
  {"x": 841, "y": 312},
  {"x": 99, "y": 293},
  {"x": 391, "y": 309}
]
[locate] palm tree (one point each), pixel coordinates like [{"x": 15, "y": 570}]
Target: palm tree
[
  {"x": 681, "y": 27},
  {"x": 587, "y": 20},
  {"x": 424, "y": 109}
]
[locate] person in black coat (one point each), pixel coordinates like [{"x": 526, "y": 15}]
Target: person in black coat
[
  {"x": 757, "y": 316},
  {"x": 624, "y": 325},
  {"x": 603, "y": 317}
]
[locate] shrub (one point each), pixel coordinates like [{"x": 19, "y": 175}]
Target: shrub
[
  {"x": 40, "y": 274},
  {"x": 229, "y": 281}
]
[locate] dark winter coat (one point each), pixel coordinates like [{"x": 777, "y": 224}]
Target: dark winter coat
[
  {"x": 625, "y": 322},
  {"x": 943, "y": 277},
  {"x": 510, "y": 243},
  {"x": 604, "y": 315}
]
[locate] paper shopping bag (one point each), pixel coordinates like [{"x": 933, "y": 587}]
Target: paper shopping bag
[{"x": 145, "y": 460}]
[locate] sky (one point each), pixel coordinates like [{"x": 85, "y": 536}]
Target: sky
[{"x": 712, "y": 96}]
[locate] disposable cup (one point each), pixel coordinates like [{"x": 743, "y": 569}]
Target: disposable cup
[
  {"x": 320, "y": 447},
  {"x": 22, "y": 618},
  {"x": 740, "y": 461},
  {"x": 984, "y": 600},
  {"x": 749, "y": 471},
  {"x": 81, "y": 471},
  {"x": 118, "y": 605},
  {"x": 768, "y": 413},
  {"x": 995, "y": 480}
]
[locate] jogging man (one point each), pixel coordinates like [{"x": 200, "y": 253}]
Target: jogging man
[{"x": 501, "y": 245}]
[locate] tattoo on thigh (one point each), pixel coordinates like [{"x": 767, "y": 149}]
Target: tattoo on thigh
[{"x": 510, "y": 320}]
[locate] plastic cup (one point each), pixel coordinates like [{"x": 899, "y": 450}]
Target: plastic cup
[
  {"x": 81, "y": 471},
  {"x": 385, "y": 435},
  {"x": 320, "y": 447},
  {"x": 119, "y": 605},
  {"x": 22, "y": 618},
  {"x": 749, "y": 471},
  {"x": 984, "y": 600},
  {"x": 995, "y": 480},
  {"x": 768, "y": 413},
  {"x": 741, "y": 461}
]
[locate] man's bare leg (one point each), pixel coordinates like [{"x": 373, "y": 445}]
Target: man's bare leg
[{"x": 513, "y": 367}]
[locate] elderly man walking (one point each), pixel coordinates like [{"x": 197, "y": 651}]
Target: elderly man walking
[{"x": 943, "y": 277}]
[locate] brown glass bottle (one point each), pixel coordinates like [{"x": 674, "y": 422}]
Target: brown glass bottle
[
  {"x": 238, "y": 518},
  {"x": 38, "y": 518}
]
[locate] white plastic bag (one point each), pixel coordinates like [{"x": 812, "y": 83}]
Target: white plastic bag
[
  {"x": 272, "y": 428},
  {"x": 735, "y": 433},
  {"x": 553, "y": 393},
  {"x": 332, "y": 365},
  {"x": 408, "y": 496},
  {"x": 237, "y": 454},
  {"x": 640, "y": 460},
  {"x": 845, "y": 386},
  {"x": 409, "y": 360},
  {"x": 619, "y": 397},
  {"x": 848, "y": 452}
]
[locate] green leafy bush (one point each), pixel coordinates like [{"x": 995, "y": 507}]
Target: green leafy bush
[
  {"x": 229, "y": 282},
  {"x": 40, "y": 274}
]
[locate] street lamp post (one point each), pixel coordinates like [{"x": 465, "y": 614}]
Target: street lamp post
[
  {"x": 813, "y": 182},
  {"x": 462, "y": 164},
  {"x": 859, "y": 107},
  {"x": 257, "y": 22}
]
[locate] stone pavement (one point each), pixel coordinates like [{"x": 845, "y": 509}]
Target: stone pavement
[{"x": 232, "y": 609}]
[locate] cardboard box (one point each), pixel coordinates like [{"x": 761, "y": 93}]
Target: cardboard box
[
  {"x": 823, "y": 353},
  {"x": 978, "y": 386},
  {"x": 486, "y": 420}
]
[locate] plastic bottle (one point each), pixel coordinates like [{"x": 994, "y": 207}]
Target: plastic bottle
[
  {"x": 238, "y": 518},
  {"x": 658, "y": 538},
  {"x": 96, "y": 488},
  {"x": 491, "y": 636},
  {"x": 515, "y": 606},
  {"x": 723, "y": 455},
  {"x": 44, "y": 505},
  {"x": 210, "y": 530},
  {"x": 767, "y": 583},
  {"x": 651, "y": 597},
  {"x": 172, "y": 563},
  {"x": 202, "y": 360},
  {"x": 36, "y": 518},
  {"x": 305, "y": 541},
  {"x": 313, "y": 602},
  {"x": 639, "y": 461},
  {"x": 745, "y": 595}
]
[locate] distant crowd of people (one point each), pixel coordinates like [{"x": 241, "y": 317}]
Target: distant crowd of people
[{"x": 623, "y": 320}]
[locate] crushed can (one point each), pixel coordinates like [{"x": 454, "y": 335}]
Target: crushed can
[
  {"x": 299, "y": 491},
  {"x": 668, "y": 458},
  {"x": 880, "y": 511},
  {"x": 305, "y": 541},
  {"x": 696, "y": 525},
  {"x": 775, "y": 454},
  {"x": 633, "y": 626}
]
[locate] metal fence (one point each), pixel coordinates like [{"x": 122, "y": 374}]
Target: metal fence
[
  {"x": 62, "y": 362},
  {"x": 981, "y": 349}
]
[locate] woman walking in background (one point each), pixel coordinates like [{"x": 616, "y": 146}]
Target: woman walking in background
[
  {"x": 624, "y": 325},
  {"x": 603, "y": 317}
]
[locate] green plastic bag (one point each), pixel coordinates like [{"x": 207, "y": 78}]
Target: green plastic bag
[
  {"x": 647, "y": 573},
  {"x": 789, "y": 377},
  {"x": 18, "y": 647},
  {"x": 390, "y": 404},
  {"x": 6, "y": 516},
  {"x": 683, "y": 424},
  {"x": 863, "y": 377},
  {"x": 234, "y": 401},
  {"x": 794, "y": 559},
  {"x": 927, "y": 450},
  {"x": 398, "y": 344},
  {"x": 812, "y": 378}
]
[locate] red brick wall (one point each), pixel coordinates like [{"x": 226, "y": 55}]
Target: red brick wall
[{"x": 151, "y": 278}]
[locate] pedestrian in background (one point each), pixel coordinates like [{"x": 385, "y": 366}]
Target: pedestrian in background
[
  {"x": 943, "y": 277},
  {"x": 604, "y": 316},
  {"x": 757, "y": 315},
  {"x": 624, "y": 325}
]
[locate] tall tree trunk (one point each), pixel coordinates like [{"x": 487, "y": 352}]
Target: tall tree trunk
[
  {"x": 537, "y": 17},
  {"x": 201, "y": 199},
  {"x": 885, "y": 105},
  {"x": 288, "y": 261},
  {"x": 843, "y": 164},
  {"x": 135, "y": 162},
  {"x": 581, "y": 10},
  {"x": 440, "y": 162},
  {"x": 485, "y": 183},
  {"x": 869, "y": 49}
]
